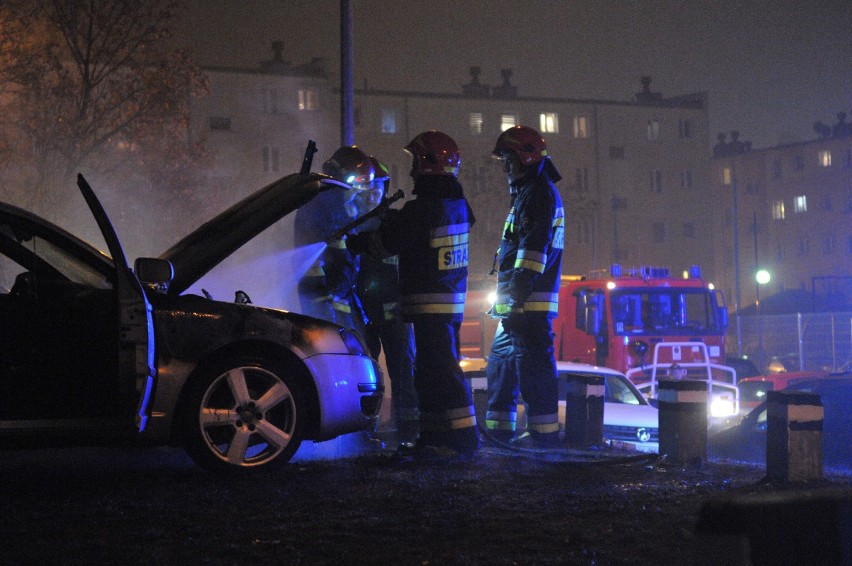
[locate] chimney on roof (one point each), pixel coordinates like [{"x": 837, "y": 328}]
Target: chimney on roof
[
  {"x": 474, "y": 89},
  {"x": 646, "y": 96},
  {"x": 506, "y": 90},
  {"x": 277, "y": 65}
]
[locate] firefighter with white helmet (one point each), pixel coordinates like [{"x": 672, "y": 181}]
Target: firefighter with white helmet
[
  {"x": 327, "y": 290},
  {"x": 378, "y": 290},
  {"x": 529, "y": 264},
  {"x": 430, "y": 235}
]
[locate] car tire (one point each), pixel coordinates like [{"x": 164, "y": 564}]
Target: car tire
[{"x": 244, "y": 415}]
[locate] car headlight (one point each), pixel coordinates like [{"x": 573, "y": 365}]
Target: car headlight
[
  {"x": 354, "y": 344},
  {"x": 722, "y": 407}
]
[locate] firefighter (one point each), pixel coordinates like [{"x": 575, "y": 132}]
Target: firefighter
[
  {"x": 529, "y": 264},
  {"x": 378, "y": 290},
  {"x": 327, "y": 290},
  {"x": 430, "y": 235}
]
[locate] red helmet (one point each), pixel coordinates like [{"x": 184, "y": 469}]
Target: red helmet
[
  {"x": 524, "y": 141},
  {"x": 350, "y": 165},
  {"x": 436, "y": 153},
  {"x": 380, "y": 170}
]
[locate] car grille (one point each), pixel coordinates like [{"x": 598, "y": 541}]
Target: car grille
[{"x": 631, "y": 433}]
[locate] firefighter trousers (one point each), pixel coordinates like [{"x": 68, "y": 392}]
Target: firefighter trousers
[
  {"x": 396, "y": 339},
  {"x": 447, "y": 416},
  {"x": 521, "y": 365}
]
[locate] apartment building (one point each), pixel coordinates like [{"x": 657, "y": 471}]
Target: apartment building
[
  {"x": 635, "y": 172},
  {"x": 785, "y": 210}
]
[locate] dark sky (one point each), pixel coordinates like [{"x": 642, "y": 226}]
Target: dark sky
[{"x": 771, "y": 67}]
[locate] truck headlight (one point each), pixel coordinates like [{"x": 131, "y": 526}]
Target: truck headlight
[{"x": 722, "y": 407}]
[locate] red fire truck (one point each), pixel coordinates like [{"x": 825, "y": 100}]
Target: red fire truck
[
  {"x": 642, "y": 322},
  {"x": 649, "y": 325}
]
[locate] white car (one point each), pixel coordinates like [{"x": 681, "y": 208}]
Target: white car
[{"x": 628, "y": 416}]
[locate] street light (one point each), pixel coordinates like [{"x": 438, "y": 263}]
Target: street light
[{"x": 762, "y": 277}]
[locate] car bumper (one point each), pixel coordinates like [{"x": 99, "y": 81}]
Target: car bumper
[{"x": 349, "y": 392}]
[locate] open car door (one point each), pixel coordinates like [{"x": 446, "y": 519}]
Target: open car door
[{"x": 136, "y": 330}]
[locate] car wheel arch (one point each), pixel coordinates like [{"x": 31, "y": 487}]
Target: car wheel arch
[{"x": 270, "y": 357}]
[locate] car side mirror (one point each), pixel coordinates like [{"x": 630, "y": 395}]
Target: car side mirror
[{"x": 154, "y": 272}]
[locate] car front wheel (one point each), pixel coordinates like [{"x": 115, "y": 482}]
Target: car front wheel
[{"x": 244, "y": 415}]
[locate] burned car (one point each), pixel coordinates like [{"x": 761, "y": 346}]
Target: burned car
[{"x": 93, "y": 352}]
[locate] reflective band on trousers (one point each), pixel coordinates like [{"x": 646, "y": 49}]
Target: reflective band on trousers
[
  {"x": 500, "y": 420},
  {"x": 454, "y": 419},
  {"x": 543, "y": 423}
]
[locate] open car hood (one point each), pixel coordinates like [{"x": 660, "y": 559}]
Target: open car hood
[{"x": 203, "y": 249}]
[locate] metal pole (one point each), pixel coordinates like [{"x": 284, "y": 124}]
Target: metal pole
[
  {"x": 347, "y": 89},
  {"x": 736, "y": 260}
]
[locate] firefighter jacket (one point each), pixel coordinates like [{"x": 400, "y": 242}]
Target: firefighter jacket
[
  {"x": 430, "y": 235},
  {"x": 378, "y": 284},
  {"x": 328, "y": 286},
  {"x": 530, "y": 254}
]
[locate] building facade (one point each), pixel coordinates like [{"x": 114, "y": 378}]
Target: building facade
[
  {"x": 785, "y": 210},
  {"x": 635, "y": 172}
]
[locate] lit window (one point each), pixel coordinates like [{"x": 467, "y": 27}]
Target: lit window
[
  {"x": 778, "y": 210},
  {"x": 653, "y": 129},
  {"x": 307, "y": 100},
  {"x": 581, "y": 127},
  {"x": 726, "y": 175},
  {"x": 388, "y": 121},
  {"x": 508, "y": 121},
  {"x": 825, "y": 158},
  {"x": 476, "y": 123},
  {"x": 801, "y": 204},
  {"x": 656, "y": 178},
  {"x": 549, "y": 122}
]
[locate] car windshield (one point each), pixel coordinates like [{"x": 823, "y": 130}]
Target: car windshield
[
  {"x": 19, "y": 254},
  {"x": 670, "y": 311},
  {"x": 619, "y": 391}
]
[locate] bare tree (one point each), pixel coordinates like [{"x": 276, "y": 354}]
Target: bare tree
[{"x": 95, "y": 85}]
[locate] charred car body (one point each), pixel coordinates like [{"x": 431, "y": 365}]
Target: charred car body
[{"x": 93, "y": 352}]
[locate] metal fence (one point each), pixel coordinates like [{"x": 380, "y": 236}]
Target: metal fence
[{"x": 798, "y": 342}]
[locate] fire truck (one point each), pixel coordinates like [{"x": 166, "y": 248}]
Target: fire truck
[{"x": 643, "y": 322}]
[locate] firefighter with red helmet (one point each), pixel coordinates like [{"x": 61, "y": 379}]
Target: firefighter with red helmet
[
  {"x": 529, "y": 263},
  {"x": 378, "y": 290},
  {"x": 430, "y": 235},
  {"x": 327, "y": 290}
]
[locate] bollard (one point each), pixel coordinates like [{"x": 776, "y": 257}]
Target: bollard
[
  {"x": 683, "y": 420},
  {"x": 793, "y": 436},
  {"x": 584, "y": 409}
]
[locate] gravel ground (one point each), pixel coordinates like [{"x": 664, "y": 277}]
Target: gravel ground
[{"x": 144, "y": 506}]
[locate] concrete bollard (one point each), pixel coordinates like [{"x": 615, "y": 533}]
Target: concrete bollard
[
  {"x": 584, "y": 409},
  {"x": 683, "y": 420},
  {"x": 793, "y": 436}
]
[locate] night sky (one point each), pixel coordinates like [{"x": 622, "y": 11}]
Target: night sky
[{"x": 771, "y": 67}]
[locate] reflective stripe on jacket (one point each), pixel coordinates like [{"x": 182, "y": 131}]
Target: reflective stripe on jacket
[{"x": 530, "y": 254}]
